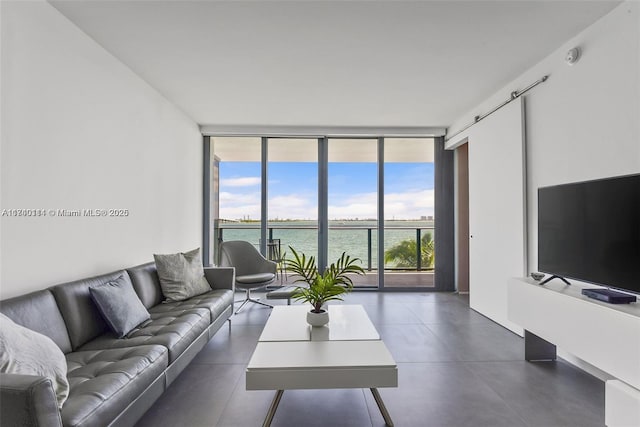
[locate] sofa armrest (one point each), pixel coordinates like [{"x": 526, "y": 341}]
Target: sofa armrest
[
  {"x": 28, "y": 400},
  {"x": 221, "y": 277}
]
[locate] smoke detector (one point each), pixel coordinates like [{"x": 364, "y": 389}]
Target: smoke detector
[{"x": 572, "y": 56}]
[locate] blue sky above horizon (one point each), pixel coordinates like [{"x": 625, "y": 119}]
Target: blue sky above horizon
[{"x": 293, "y": 193}]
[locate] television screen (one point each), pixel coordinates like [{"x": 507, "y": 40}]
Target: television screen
[{"x": 590, "y": 231}]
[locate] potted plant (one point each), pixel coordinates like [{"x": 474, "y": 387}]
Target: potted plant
[{"x": 327, "y": 286}]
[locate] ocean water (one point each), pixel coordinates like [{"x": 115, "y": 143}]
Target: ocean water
[{"x": 344, "y": 236}]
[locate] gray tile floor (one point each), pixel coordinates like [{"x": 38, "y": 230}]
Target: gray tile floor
[{"x": 456, "y": 368}]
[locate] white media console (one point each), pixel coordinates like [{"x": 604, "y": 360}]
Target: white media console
[{"x": 606, "y": 336}]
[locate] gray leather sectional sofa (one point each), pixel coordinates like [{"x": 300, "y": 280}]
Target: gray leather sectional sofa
[{"x": 113, "y": 382}]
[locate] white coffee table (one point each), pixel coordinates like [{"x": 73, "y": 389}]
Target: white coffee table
[{"x": 347, "y": 353}]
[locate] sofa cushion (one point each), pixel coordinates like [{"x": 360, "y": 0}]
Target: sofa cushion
[
  {"x": 29, "y": 310},
  {"x": 119, "y": 305},
  {"x": 26, "y": 352},
  {"x": 104, "y": 382},
  {"x": 173, "y": 330},
  {"x": 181, "y": 275},
  {"x": 80, "y": 314},
  {"x": 214, "y": 301},
  {"x": 146, "y": 282}
]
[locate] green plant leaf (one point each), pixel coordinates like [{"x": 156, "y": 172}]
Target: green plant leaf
[
  {"x": 404, "y": 253},
  {"x": 328, "y": 286}
]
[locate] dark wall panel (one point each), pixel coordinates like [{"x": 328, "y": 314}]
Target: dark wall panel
[{"x": 444, "y": 218}]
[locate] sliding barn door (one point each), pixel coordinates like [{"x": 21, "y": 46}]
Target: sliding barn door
[{"x": 496, "y": 210}]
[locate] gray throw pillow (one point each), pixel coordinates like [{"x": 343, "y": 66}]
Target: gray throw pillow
[
  {"x": 26, "y": 352},
  {"x": 119, "y": 305},
  {"x": 181, "y": 275}
]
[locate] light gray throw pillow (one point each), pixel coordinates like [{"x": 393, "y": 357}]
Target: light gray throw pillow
[
  {"x": 26, "y": 352},
  {"x": 181, "y": 275},
  {"x": 119, "y": 305}
]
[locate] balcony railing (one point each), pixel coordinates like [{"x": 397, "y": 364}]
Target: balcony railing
[{"x": 357, "y": 240}]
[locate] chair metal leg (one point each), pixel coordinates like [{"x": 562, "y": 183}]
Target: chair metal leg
[
  {"x": 241, "y": 305},
  {"x": 253, "y": 300},
  {"x": 257, "y": 301}
]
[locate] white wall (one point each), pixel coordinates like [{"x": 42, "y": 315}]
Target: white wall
[
  {"x": 81, "y": 131},
  {"x": 584, "y": 122}
]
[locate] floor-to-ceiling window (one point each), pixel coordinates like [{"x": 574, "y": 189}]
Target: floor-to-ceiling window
[
  {"x": 237, "y": 195},
  {"x": 285, "y": 191},
  {"x": 409, "y": 245},
  {"x": 353, "y": 203},
  {"x": 292, "y": 197}
]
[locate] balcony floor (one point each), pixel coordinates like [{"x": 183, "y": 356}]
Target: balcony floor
[{"x": 392, "y": 279}]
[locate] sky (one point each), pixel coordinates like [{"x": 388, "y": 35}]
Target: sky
[{"x": 293, "y": 193}]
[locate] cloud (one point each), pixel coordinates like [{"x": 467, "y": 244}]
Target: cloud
[
  {"x": 238, "y": 199},
  {"x": 409, "y": 204},
  {"x": 241, "y": 212},
  {"x": 359, "y": 198},
  {"x": 246, "y": 181},
  {"x": 239, "y": 205},
  {"x": 293, "y": 206},
  {"x": 400, "y": 205},
  {"x": 290, "y": 206},
  {"x": 353, "y": 211}
]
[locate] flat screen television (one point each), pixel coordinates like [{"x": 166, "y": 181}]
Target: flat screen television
[{"x": 590, "y": 231}]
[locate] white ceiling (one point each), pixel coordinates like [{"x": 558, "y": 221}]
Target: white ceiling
[{"x": 330, "y": 63}]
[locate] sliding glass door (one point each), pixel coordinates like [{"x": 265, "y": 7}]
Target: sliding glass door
[
  {"x": 292, "y": 197},
  {"x": 409, "y": 203},
  {"x": 353, "y": 204},
  {"x": 236, "y": 195},
  {"x": 325, "y": 196}
]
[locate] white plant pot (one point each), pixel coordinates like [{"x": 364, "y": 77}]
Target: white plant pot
[{"x": 318, "y": 319}]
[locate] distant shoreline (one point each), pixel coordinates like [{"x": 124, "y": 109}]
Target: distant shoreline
[{"x": 257, "y": 221}]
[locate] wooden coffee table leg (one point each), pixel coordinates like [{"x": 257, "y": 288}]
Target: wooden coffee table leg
[
  {"x": 383, "y": 409},
  {"x": 273, "y": 408}
]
